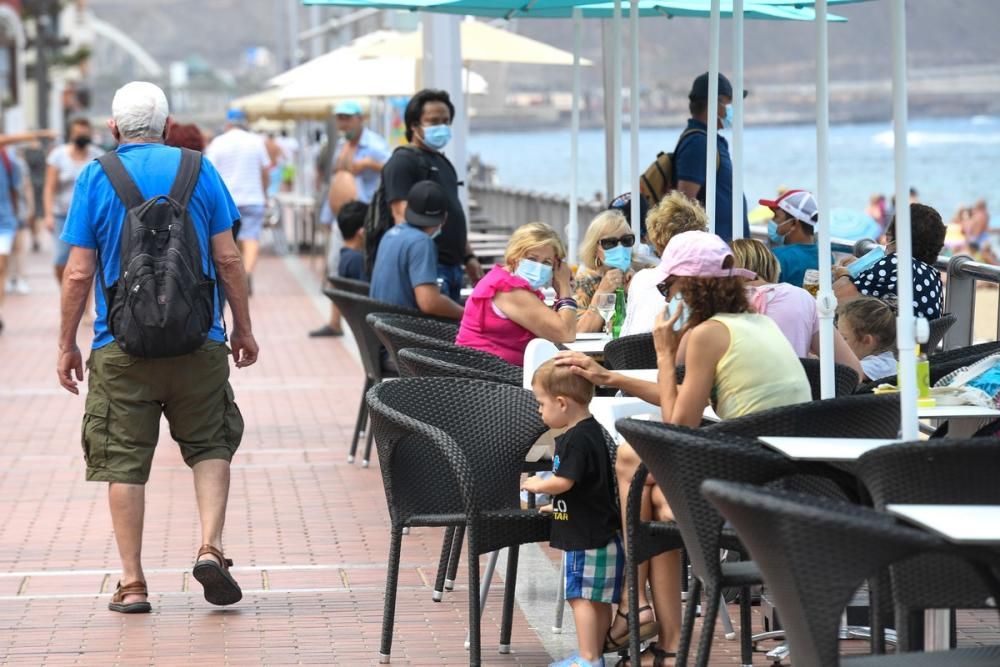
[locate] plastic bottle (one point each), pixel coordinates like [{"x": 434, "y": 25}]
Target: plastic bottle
[
  {"x": 618, "y": 319},
  {"x": 923, "y": 375}
]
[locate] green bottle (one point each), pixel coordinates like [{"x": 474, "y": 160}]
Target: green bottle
[{"x": 619, "y": 317}]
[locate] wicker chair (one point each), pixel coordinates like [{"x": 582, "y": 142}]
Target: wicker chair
[
  {"x": 630, "y": 352},
  {"x": 355, "y": 307},
  {"x": 680, "y": 460},
  {"x": 462, "y": 362},
  {"x": 845, "y": 378},
  {"x": 401, "y": 331},
  {"x": 456, "y": 460},
  {"x": 350, "y": 285},
  {"x": 938, "y": 328},
  {"x": 938, "y": 472},
  {"x": 814, "y": 553},
  {"x": 867, "y": 416},
  {"x": 938, "y": 369},
  {"x": 970, "y": 353}
]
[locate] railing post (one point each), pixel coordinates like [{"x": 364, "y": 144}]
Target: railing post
[{"x": 960, "y": 300}]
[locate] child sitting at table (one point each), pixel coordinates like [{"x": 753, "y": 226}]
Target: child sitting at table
[
  {"x": 585, "y": 518},
  {"x": 868, "y": 325}
]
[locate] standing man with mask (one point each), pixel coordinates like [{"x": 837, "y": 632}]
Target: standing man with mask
[
  {"x": 356, "y": 168},
  {"x": 428, "y": 118},
  {"x": 690, "y": 153}
]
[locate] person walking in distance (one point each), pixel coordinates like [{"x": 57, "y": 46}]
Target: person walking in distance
[{"x": 139, "y": 374}]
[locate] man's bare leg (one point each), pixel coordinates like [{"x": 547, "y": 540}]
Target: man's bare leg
[
  {"x": 249, "y": 248},
  {"x": 211, "y": 487},
  {"x": 128, "y": 506}
]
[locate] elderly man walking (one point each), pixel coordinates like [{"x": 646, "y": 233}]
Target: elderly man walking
[{"x": 156, "y": 350}]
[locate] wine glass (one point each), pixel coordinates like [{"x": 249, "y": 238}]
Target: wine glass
[{"x": 604, "y": 302}]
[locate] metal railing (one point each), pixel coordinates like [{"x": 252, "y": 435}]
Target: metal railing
[
  {"x": 501, "y": 209},
  {"x": 960, "y": 297}
]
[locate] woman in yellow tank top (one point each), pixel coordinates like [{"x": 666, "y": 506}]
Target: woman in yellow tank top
[{"x": 734, "y": 358}]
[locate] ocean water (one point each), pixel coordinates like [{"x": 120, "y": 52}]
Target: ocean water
[{"x": 952, "y": 161}]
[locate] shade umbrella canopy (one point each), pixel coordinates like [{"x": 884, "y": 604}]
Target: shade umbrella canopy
[
  {"x": 268, "y": 104},
  {"x": 480, "y": 43},
  {"x": 334, "y": 58}
]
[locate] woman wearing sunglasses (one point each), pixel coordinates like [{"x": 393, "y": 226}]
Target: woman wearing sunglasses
[
  {"x": 606, "y": 263},
  {"x": 735, "y": 359}
]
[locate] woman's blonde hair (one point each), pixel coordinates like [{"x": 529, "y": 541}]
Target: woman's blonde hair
[
  {"x": 753, "y": 255},
  {"x": 673, "y": 215},
  {"x": 600, "y": 227},
  {"x": 529, "y": 236}
]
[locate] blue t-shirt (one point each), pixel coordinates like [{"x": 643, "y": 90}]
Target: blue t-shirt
[
  {"x": 406, "y": 257},
  {"x": 689, "y": 165},
  {"x": 8, "y": 218},
  {"x": 96, "y": 216},
  {"x": 795, "y": 260},
  {"x": 352, "y": 265}
]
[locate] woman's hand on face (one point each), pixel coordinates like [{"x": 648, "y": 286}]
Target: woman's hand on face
[
  {"x": 562, "y": 279},
  {"x": 840, "y": 272},
  {"x": 584, "y": 366},
  {"x": 665, "y": 339},
  {"x": 612, "y": 280}
]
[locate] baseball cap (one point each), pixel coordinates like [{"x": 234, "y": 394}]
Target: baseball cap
[
  {"x": 699, "y": 255},
  {"x": 623, "y": 203},
  {"x": 800, "y": 204},
  {"x": 699, "y": 89},
  {"x": 347, "y": 108},
  {"x": 426, "y": 205},
  {"x": 236, "y": 116}
]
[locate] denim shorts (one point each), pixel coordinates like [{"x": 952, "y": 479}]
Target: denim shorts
[
  {"x": 251, "y": 222},
  {"x": 6, "y": 241}
]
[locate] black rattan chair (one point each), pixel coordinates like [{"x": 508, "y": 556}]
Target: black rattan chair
[
  {"x": 630, "y": 352},
  {"x": 401, "y": 331},
  {"x": 938, "y": 369},
  {"x": 867, "y": 416},
  {"x": 451, "y": 452},
  {"x": 814, "y": 553},
  {"x": 461, "y": 362},
  {"x": 845, "y": 378},
  {"x": 935, "y": 472},
  {"x": 970, "y": 353},
  {"x": 938, "y": 328},
  {"x": 350, "y": 285},
  {"x": 355, "y": 307},
  {"x": 681, "y": 459}
]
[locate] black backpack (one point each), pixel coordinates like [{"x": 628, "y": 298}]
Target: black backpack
[
  {"x": 379, "y": 218},
  {"x": 162, "y": 304}
]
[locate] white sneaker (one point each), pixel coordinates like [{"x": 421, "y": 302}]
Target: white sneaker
[{"x": 22, "y": 287}]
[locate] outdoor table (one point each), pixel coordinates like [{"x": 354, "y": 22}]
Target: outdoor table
[
  {"x": 963, "y": 420},
  {"x": 959, "y": 524},
  {"x": 589, "y": 343},
  {"x": 824, "y": 449},
  {"x": 609, "y": 409}
]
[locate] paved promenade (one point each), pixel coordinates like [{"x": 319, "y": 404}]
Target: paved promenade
[{"x": 308, "y": 532}]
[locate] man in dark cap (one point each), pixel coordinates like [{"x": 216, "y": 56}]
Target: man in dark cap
[{"x": 689, "y": 156}]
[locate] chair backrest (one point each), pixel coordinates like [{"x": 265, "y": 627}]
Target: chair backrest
[
  {"x": 934, "y": 472},
  {"x": 537, "y": 353},
  {"x": 845, "y": 379},
  {"x": 939, "y": 368},
  {"x": 350, "y": 285},
  {"x": 858, "y": 416},
  {"x": 451, "y": 445},
  {"x": 813, "y": 554},
  {"x": 461, "y": 362},
  {"x": 938, "y": 328},
  {"x": 630, "y": 352},
  {"x": 681, "y": 459},
  {"x": 355, "y": 308},
  {"x": 401, "y": 331},
  {"x": 970, "y": 353}
]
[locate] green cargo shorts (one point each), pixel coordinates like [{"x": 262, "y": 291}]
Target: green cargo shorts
[{"x": 127, "y": 395}]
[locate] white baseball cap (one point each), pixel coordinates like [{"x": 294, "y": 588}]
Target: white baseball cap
[{"x": 800, "y": 204}]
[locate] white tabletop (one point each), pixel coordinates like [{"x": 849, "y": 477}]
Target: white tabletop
[
  {"x": 962, "y": 524},
  {"x": 824, "y": 449},
  {"x": 609, "y": 409},
  {"x": 957, "y": 412},
  {"x": 589, "y": 343}
]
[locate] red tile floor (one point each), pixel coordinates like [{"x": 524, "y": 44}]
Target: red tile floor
[{"x": 308, "y": 531}]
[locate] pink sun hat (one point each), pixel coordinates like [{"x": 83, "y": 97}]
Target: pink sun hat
[{"x": 700, "y": 255}]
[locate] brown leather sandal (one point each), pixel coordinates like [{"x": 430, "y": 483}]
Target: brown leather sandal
[
  {"x": 118, "y": 599},
  {"x": 220, "y": 587}
]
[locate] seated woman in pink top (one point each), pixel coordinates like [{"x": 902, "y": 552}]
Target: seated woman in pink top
[
  {"x": 792, "y": 308},
  {"x": 506, "y": 309}
]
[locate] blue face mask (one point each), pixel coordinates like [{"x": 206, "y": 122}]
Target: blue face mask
[
  {"x": 727, "y": 120},
  {"x": 618, "y": 257},
  {"x": 773, "y": 235},
  {"x": 437, "y": 136},
  {"x": 675, "y": 304},
  {"x": 537, "y": 274}
]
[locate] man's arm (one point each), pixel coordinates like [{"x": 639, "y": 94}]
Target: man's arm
[
  {"x": 77, "y": 281},
  {"x": 398, "y": 211},
  {"x": 690, "y": 189},
  {"x": 20, "y": 137},
  {"x": 229, "y": 270},
  {"x": 49, "y": 194},
  {"x": 432, "y": 302}
]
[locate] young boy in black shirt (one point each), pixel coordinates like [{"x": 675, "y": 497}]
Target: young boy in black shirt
[{"x": 585, "y": 518}]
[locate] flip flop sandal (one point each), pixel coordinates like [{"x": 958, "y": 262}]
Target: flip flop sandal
[
  {"x": 646, "y": 631},
  {"x": 660, "y": 656},
  {"x": 118, "y": 599},
  {"x": 220, "y": 587}
]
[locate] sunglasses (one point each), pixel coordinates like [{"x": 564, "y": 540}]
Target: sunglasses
[
  {"x": 627, "y": 241},
  {"x": 664, "y": 288}
]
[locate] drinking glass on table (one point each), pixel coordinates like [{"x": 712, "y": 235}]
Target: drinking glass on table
[{"x": 604, "y": 302}]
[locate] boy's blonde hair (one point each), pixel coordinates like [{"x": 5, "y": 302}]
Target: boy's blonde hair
[
  {"x": 870, "y": 316},
  {"x": 529, "y": 236},
  {"x": 674, "y": 215},
  {"x": 562, "y": 381},
  {"x": 600, "y": 227},
  {"x": 753, "y": 255}
]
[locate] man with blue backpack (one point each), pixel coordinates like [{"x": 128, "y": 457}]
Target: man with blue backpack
[{"x": 153, "y": 224}]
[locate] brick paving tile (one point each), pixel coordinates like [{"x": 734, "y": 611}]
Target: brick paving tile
[{"x": 308, "y": 532}]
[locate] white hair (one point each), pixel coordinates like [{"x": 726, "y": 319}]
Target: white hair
[{"x": 139, "y": 110}]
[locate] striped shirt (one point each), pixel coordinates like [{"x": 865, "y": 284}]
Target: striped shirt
[{"x": 239, "y": 157}]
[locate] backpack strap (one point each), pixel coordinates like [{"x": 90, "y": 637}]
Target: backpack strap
[
  {"x": 187, "y": 176},
  {"x": 124, "y": 185}
]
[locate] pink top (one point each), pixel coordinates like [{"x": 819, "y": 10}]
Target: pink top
[
  {"x": 792, "y": 308},
  {"x": 485, "y": 327}
]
